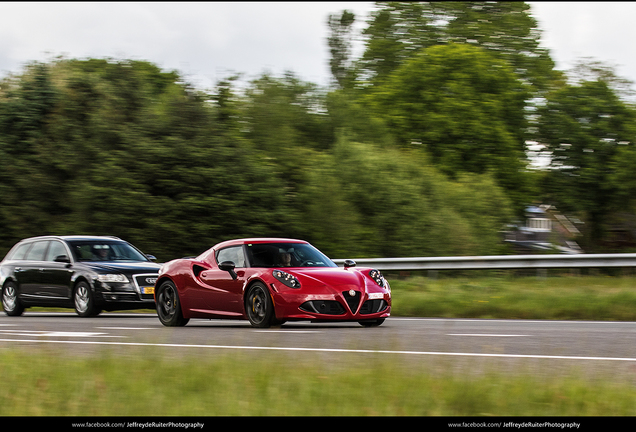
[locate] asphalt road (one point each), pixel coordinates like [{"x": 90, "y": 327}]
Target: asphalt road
[{"x": 467, "y": 344}]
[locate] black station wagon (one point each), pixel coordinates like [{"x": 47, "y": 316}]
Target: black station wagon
[{"x": 88, "y": 273}]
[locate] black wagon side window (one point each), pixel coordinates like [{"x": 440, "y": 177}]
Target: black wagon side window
[
  {"x": 37, "y": 251},
  {"x": 56, "y": 249},
  {"x": 19, "y": 252}
]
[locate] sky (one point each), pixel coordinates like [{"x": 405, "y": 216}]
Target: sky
[{"x": 209, "y": 41}]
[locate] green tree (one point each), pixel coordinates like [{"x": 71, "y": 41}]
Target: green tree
[
  {"x": 119, "y": 147},
  {"x": 285, "y": 120},
  {"x": 340, "y": 43},
  {"x": 590, "y": 133},
  {"x": 29, "y": 177},
  {"x": 397, "y": 31},
  {"x": 123, "y": 148},
  {"x": 463, "y": 107},
  {"x": 326, "y": 217},
  {"x": 405, "y": 207},
  {"x": 349, "y": 115},
  {"x": 507, "y": 30},
  {"x": 286, "y": 113}
]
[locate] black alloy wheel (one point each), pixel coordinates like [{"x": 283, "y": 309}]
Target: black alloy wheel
[
  {"x": 84, "y": 301},
  {"x": 259, "y": 306},
  {"x": 10, "y": 301},
  {"x": 372, "y": 323},
  {"x": 169, "y": 307}
]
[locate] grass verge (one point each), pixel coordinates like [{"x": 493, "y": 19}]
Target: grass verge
[
  {"x": 559, "y": 298},
  {"x": 152, "y": 385}
]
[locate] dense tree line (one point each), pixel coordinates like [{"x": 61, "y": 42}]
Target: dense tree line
[
  {"x": 418, "y": 149},
  {"x": 468, "y": 84}
]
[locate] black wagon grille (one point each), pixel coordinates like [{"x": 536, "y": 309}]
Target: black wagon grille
[{"x": 146, "y": 285}]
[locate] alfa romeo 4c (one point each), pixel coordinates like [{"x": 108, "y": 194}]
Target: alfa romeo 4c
[{"x": 269, "y": 281}]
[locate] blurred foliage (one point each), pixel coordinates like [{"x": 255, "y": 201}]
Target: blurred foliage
[
  {"x": 464, "y": 107},
  {"x": 122, "y": 148},
  {"x": 455, "y": 79},
  {"x": 398, "y": 31},
  {"x": 590, "y": 133},
  {"x": 340, "y": 43},
  {"x": 419, "y": 149}
]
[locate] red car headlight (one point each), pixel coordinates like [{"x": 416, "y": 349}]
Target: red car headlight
[
  {"x": 286, "y": 279},
  {"x": 376, "y": 275}
]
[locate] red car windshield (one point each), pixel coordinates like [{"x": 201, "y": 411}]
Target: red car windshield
[{"x": 286, "y": 255}]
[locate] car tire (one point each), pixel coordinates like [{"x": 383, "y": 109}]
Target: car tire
[
  {"x": 371, "y": 323},
  {"x": 169, "y": 307},
  {"x": 259, "y": 307},
  {"x": 84, "y": 301},
  {"x": 10, "y": 301}
]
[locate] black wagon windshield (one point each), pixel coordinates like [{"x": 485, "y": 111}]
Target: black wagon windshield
[
  {"x": 104, "y": 250},
  {"x": 286, "y": 255}
]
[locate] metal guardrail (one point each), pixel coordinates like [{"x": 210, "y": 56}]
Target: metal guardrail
[{"x": 498, "y": 262}]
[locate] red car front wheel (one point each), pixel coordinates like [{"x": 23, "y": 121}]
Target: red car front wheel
[
  {"x": 259, "y": 306},
  {"x": 169, "y": 307}
]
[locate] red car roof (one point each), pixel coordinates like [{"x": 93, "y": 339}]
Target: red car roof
[{"x": 257, "y": 240}]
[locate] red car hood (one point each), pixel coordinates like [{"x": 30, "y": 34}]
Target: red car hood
[{"x": 330, "y": 276}]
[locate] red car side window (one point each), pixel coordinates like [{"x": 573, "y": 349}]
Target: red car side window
[{"x": 232, "y": 253}]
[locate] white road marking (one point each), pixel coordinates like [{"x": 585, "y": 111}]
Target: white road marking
[
  {"x": 54, "y": 333},
  {"x": 126, "y": 328},
  {"x": 487, "y": 335},
  {"x": 496, "y": 320},
  {"x": 331, "y": 350},
  {"x": 288, "y": 331}
]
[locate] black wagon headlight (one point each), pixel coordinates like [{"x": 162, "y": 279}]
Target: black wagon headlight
[
  {"x": 286, "y": 278},
  {"x": 112, "y": 277},
  {"x": 376, "y": 275}
]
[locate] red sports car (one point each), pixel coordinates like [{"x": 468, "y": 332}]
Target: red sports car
[{"x": 269, "y": 281}]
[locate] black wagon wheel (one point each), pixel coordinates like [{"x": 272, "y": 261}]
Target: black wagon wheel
[
  {"x": 83, "y": 300},
  {"x": 259, "y": 306},
  {"x": 169, "y": 306},
  {"x": 10, "y": 301}
]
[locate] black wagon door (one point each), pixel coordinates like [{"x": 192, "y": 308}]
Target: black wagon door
[
  {"x": 28, "y": 271},
  {"x": 57, "y": 272}
]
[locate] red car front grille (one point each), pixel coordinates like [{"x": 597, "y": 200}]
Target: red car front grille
[
  {"x": 332, "y": 307},
  {"x": 373, "y": 306},
  {"x": 352, "y": 300},
  {"x": 327, "y": 307}
]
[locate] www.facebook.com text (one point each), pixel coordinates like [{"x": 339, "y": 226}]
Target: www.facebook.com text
[
  {"x": 139, "y": 425},
  {"x": 518, "y": 425}
]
